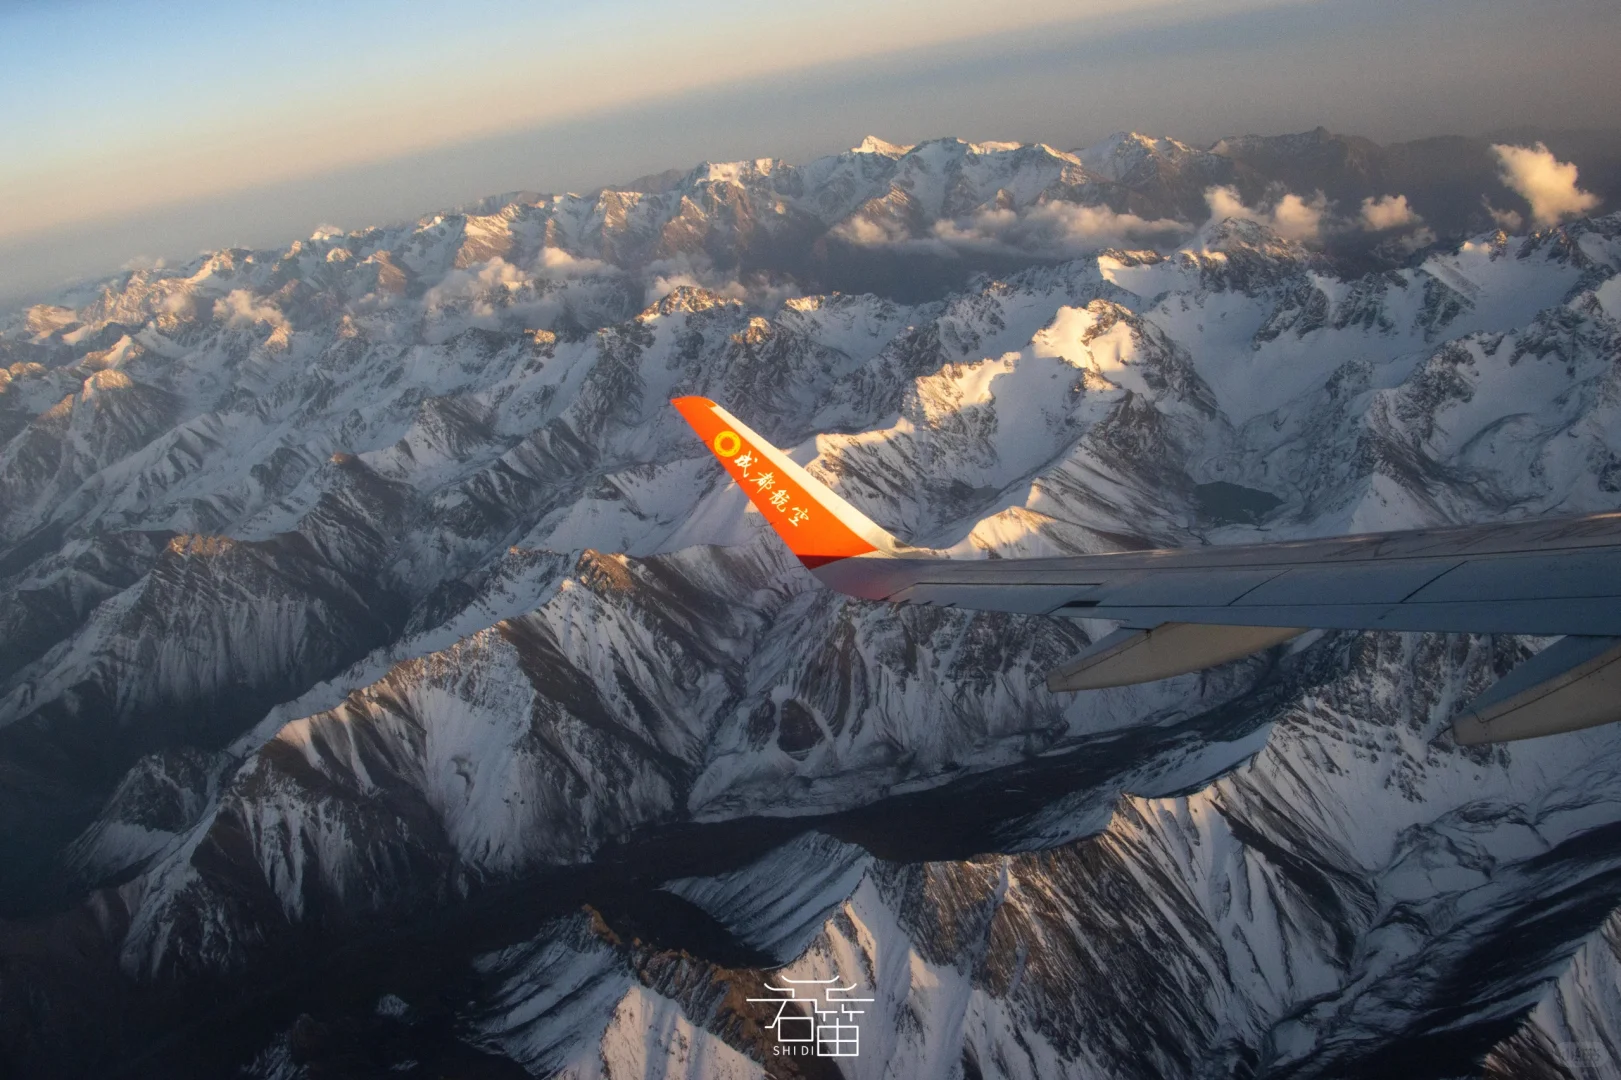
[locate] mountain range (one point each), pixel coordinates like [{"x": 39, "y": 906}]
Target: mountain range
[{"x": 390, "y": 684}]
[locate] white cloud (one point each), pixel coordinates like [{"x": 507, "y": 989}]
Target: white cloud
[
  {"x": 1544, "y": 181},
  {"x": 143, "y": 262},
  {"x": 238, "y": 308},
  {"x": 555, "y": 262},
  {"x": 1298, "y": 219},
  {"x": 1292, "y": 217},
  {"x": 1388, "y": 212},
  {"x": 1054, "y": 229},
  {"x": 1507, "y": 220},
  {"x": 865, "y": 232},
  {"x": 478, "y": 290},
  {"x": 495, "y": 294},
  {"x": 326, "y": 232},
  {"x": 1418, "y": 239},
  {"x": 1225, "y": 203},
  {"x": 664, "y": 284},
  {"x": 496, "y": 283},
  {"x": 1051, "y": 229},
  {"x": 664, "y": 276},
  {"x": 478, "y": 282}
]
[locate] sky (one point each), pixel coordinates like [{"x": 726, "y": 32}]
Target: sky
[{"x": 135, "y": 131}]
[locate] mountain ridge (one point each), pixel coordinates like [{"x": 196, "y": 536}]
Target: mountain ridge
[{"x": 384, "y": 584}]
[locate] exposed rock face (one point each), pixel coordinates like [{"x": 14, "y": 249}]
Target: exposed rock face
[{"x": 366, "y": 601}]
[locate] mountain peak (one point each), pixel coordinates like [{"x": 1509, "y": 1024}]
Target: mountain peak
[
  {"x": 1295, "y": 143},
  {"x": 690, "y": 299},
  {"x": 872, "y": 144},
  {"x": 994, "y": 147},
  {"x": 1120, "y": 155},
  {"x": 734, "y": 172}
]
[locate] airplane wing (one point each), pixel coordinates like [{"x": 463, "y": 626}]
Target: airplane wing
[{"x": 1186, "y": 609}]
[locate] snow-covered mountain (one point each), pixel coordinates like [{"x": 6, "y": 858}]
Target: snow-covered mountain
[{"x": 387, "y": 676}]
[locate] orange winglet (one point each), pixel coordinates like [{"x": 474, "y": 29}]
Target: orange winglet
[{"x": 810, "y": 519}]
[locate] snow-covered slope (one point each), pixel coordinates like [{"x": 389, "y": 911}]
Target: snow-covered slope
[{"x": 373, "y": 581}]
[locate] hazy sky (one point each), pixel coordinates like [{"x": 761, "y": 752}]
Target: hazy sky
[{"x": 141, "y": 130}]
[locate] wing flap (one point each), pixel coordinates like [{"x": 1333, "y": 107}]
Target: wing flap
[
  {"x": 1132, "y": 656},
  {"x": 1574, "y": 683}
]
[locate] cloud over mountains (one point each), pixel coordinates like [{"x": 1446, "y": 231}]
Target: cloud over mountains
[
  {"x": 1388, "y": 212},
  {"x": 1545, "y": 182},
  {"x": 1291, "y": 217}
]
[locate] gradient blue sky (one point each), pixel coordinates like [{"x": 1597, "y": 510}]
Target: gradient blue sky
[{"x": 155, "y": 130}]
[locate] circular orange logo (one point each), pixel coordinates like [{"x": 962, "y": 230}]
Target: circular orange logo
[{"x": 728, "y": 443}]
